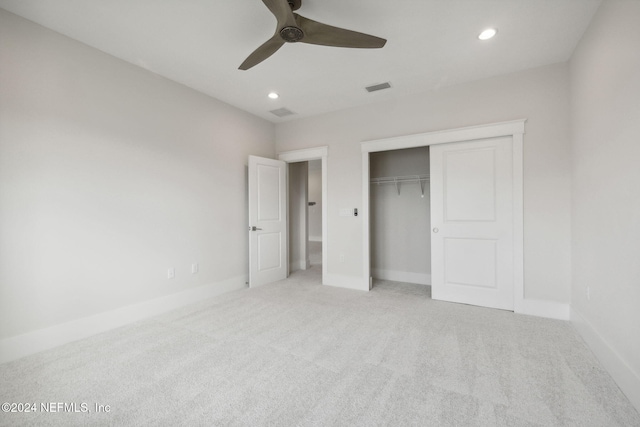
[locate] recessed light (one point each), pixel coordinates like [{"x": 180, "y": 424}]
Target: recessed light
[
  {"x": 487, "y": 34},
  {"x": 273, "y": 95}
]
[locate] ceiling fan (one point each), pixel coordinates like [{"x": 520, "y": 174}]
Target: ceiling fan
[{"x": 294, "y": 28}]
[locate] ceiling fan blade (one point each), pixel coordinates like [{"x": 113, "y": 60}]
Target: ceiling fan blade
[
  {"x": 323, "y": 34},
  {"x": 267, "y": 49},
  {"x": 282, "y": 11}
]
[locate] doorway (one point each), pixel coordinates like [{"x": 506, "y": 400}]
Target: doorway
[
  {"x": 314, "y": 209},
  {"x": 305, "y": 215},
  {"x": 312, "y": 169}
]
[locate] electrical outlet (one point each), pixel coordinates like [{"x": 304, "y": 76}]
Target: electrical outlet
[
  {"x": 194, "y": 268},
  {"x": 171, "y": 273},
  {"x": 588, "y": 293}
]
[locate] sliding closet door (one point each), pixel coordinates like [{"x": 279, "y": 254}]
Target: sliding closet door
[{"x": 472, "y": 222}]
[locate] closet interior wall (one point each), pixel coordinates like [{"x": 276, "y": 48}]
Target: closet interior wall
[{"x": 400, "y": 215}]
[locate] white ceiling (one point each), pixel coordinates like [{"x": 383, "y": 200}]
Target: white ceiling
[{"x": 431, "y": 43}]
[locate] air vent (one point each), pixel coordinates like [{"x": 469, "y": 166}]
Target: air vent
[
  {"x": 282, "y": 112},
  {"x": 381, "y": 86}
]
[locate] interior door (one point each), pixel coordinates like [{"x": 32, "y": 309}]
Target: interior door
[
  {"x": 472, "y": 222},
  {"x": 267, "y": 221}
]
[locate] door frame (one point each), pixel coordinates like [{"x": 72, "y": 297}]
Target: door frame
[
  {"x": 304, "y": 155},
  {"x": 513, "y": 129}
]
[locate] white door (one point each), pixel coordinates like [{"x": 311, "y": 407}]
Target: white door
[
  {"x": 267, "y": 221},
  {"x": 472, "y": 222}
]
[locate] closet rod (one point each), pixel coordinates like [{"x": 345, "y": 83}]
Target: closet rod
[{"x": 397, "y": 180}]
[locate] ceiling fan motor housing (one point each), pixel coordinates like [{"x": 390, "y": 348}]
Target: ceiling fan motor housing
[
  {"x": 295, "y": 4},
  {"x": 291, "y": 34}
]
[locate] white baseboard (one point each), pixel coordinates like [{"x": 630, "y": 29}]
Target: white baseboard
[
  {"x": 627, "y": 379},
  {"x": 401, "y": 276},
  {"x": 43, "y": 339},
  {"x": 348, "y": 282},
  {"x": 540, "y": 308},
  {"x": 315, "y": 238}
]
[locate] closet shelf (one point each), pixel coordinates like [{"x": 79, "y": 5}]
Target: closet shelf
[
  {"x": 394, "y": 179},
  {"x": 397, "y": 180}
]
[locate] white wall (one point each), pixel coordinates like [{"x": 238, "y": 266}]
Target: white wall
[
  {"x": 605, "y": 104},
  {"x": 315, "y": 195},
  {"x": 109, "y": 175},
  {"x": 400, "y": 223},
  {"x": 540, "y": 95}
]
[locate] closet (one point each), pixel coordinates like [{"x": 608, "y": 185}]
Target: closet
[{"x": 400, "y": 215}]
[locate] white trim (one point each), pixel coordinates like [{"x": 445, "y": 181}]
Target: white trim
[
  {"x": 518, "y": 221},
  {"x": 315, "y": 238},
  {"x": 366, "y": 228},
  {"x": 514, "y": 129},
  {"x": 548, "y": 309},
  {"x": 401, "y": 276},
  {"x": 445, "y": 136},
  {"x": 305, "y": 155},
  {"x": 627, "y": 379},
  {"x": 348, "y": 282},
  {"x": 43, "y": 339}
]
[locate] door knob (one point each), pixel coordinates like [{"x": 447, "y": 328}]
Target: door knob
[
  {"x": 254, "y": 228},
  {"x": 435, "y": 230}
]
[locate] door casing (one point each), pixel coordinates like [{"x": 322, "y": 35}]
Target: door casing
[{"x": 317, "y": 153}]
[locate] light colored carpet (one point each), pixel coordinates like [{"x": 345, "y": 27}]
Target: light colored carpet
[{"x": 296, "y": 353}]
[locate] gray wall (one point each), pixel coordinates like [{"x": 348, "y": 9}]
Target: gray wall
[
  {"x": 400, "y": 223},
  {"x": 605, "y": 95},
  {"x": 109, "y": 175},
  {"x": 541, "y": 95}
]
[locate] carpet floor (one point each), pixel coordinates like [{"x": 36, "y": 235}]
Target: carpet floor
[{"x": 295, "y": 353}]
